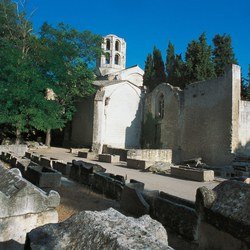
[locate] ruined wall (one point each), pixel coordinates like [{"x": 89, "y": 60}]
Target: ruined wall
[
  {"x": 82, "y": 123},
  {"x": 244, "y": 128},
  {"x": 210, "y": 118},
  {"x": 200, "y": 121},
  {"x": 163, "y": 132}
]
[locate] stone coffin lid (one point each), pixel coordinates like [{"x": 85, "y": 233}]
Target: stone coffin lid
[
  {"x": 10, "y": 183},
  {"x": 20, "y": 197}
]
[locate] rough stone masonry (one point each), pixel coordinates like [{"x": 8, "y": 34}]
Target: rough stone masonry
[
  {"x": 107, "y": 229},
  {"x": 23, "y": 206}
]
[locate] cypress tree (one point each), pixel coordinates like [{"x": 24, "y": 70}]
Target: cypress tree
[
  {"x": 174, "y": 67},
  {"x": 148, "y": 71},
  {"x": 170, "y": 61},
  {"x": 158, "y": 75},
  {"x": 199, "y": 64},
  {"x": 178, "y": 72},
  {"x": 223, "y": 53}
]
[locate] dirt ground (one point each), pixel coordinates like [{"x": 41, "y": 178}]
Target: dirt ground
[{"x": 76, "y": 197}]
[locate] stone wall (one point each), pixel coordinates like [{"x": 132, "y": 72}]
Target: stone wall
[
  {"x": 210, "y": 118},
  {"x": 163, "y": 132},
  {"x": 23, "y": 206},
  {"x": 117, "y": 116},
  {"x": 244, "y": 128},
  {"x": 200, "y": 121},
  {"x": 153, "y": 155}
]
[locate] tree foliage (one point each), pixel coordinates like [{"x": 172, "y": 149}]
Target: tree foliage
[
  {"x": 245, "y": 86},
  {"x": 223, "y": 54},
  {"x": 159, "y": 75},
  {"x": 199, "y": 64},
  {"x": 64, "y": 57},
  {"x": 202, "y": 62},
  {"x": 175, "y": 67},
  {"x": 154, "y": 70},
  {"x": 59, "y": 59},
  {"x": 148, "y": 72}
]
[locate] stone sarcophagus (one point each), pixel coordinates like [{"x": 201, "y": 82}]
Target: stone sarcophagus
[
  {"x": 224, "y": 216},
  {"x": 43, "y": 177},
  {"x": 23, "y": 206}
]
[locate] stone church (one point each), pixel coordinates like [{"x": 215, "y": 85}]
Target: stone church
[
  {"x": 206, "y": 119},
  {"x": 113, "y": 115}
]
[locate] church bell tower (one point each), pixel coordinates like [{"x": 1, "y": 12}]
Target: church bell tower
[{"x": 114, "y": 57}]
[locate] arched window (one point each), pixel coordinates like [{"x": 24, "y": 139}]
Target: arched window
[
  {"x": 117, "y": 59},
  {"x": 107, "y": 44},
  {"x": 107, "y": 58},
  {"x": 161, "y": 106},
  {"x": 117, "y": 45}
]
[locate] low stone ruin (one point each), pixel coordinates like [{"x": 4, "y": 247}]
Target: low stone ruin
[
  {"x": 109, "y": 158},
  {"x": 224, "y": 216},
  {"x": 144, "y": 158},
  {"x": 173, "y": 212},
  {"x": 23, "y": 206},
  {"x": 107, "y": 229},
  {"x": 19, "y": 149},
  {"x": 192, "y": 173}
]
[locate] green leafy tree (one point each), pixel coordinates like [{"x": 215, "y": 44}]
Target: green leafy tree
[
  {"x": 66, "y": 56},
  {"x": 222, "y": 53},
  {"x": 22, "y": 94},
  {"x": 22, "y": 88},
  {"x": 199, "y": 64},
  {"x": 59, "y": 60}
]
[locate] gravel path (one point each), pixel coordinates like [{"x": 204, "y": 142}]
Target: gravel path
[{"x": 182, "y": 188}]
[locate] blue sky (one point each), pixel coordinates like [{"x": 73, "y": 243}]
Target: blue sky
[{"x": 145, "y": 23}]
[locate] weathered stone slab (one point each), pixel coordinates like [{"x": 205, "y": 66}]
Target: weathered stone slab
[
  {"x": 43, "y": 177},
  {"x": 87, "y": 155},
  {"x": 192, "y": 173},
  {"x": 62, "y": 167},
  {"x": 138, "y": 164},
  {"x": 109, "y": 158},
  {"x": 18, "y": 150},
  {"x": 23, "y": 206},
  {"x": 160, "y": 167},
  {"x": 132, "y": 201},
  {"x": 151, "y": 155},
  {"x": 107, "y": 229},
  {"x": 224, "y": 216},
  {"x": 173, "y": 212},
  {"x": 115, "y": 151},
  {"x": 45, "y": 162},
  {"x": 80, "y": 171},
  {"x": 35, "y": 158},
  {"x": 108, "y": 184}
]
